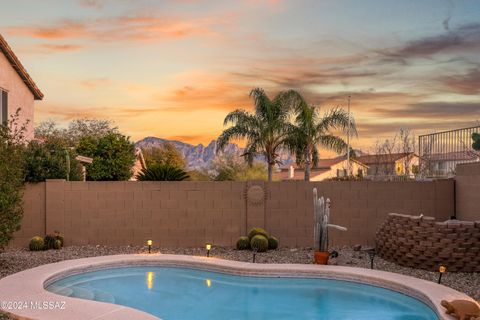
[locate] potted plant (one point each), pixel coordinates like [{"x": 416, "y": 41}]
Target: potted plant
[{"x": 321, "y": 213}]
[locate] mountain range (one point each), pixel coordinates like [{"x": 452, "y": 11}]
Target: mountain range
[{"x": 200, "y": 156}]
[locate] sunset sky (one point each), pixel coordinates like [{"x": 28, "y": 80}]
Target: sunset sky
[{"x": 174, "y": 69}]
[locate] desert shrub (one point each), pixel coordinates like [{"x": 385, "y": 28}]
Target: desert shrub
[
  {"x": 257, "y": 231},
  {"x": 165, "y": 154},
  {"x": 50, "y": 159},
  {"x": 272, "y": 243},
  {"x": 162, "y": 173},
  {"x": 243, "y": 243},
  {"x": 259, "y": 242},
  {"x": 12, "y": 175},
  {"x": 36, "y": 244},
  {"x": 49, "y": 242}
]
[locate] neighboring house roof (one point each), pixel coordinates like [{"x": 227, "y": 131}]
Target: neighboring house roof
[
  {"x": 18, "y": 67},
  {"x": 324, "y": 165},
  {"x": 383, "y": 158},
  {"x": 453, "y": 156},
  {"x": 327, "y": 163}
]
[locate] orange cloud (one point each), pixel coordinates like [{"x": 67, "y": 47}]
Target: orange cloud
[
  {"x": 131, "y": 28},
  {"x": 67, "y": 113},
  {"x": 62, "y": 30},
  {"x": 200, "y": 90}
]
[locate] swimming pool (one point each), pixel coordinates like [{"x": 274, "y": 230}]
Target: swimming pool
[{"x": 172, "y": 293}]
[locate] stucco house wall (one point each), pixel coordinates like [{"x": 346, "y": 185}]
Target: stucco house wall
[
  {"x": 409, "y": 162},
  {"x": 21, "y": 90},
  {"x": 332, "y": 173},
  {"x": 19, "y": 96}
]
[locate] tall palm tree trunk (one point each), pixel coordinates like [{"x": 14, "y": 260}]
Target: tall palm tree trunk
[
  {"x": 270, "y": 172},
  {"x": 307, "y": 164}
]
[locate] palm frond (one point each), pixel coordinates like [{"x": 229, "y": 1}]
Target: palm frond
[
  {"x": 337, "y": 119},
  {"x": 332, "y": 142}
]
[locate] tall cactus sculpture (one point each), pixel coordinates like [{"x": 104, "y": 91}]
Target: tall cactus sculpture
[{"x": 321, "y": 214}]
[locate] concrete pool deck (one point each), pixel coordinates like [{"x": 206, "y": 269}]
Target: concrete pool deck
[{"x": 23, "y": 294}]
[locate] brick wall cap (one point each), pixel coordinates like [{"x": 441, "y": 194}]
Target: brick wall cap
[{"x": 399, "y": 215}]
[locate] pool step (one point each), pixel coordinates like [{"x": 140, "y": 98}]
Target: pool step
[
  {"x": 104, "y": 296},
  {"x": 82, "y": 293},
  {"x": 63, "y": 291}
]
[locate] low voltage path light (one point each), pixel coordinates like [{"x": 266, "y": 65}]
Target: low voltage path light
[
  {"x": 371, "y": 253},
  {"x": 255, "y": 250},
  {"x": 149, "y": 243},
  {"x": 441, "y": 271},
  {"x": 208, "y": 246}
]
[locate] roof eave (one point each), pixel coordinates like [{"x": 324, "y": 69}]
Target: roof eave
[{"x": 18, "y": 67}]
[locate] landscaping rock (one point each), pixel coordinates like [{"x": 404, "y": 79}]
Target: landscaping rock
[{"x": 15, "y": 260}]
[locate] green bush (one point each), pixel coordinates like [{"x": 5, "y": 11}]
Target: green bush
[
  {"x": 259, "y": 242},
  {"x": 113, "y": 156},
  {"x": 162, "y": 173},
  {"x": 50, "y": 159},
  {"x": 272, "y": 243},
  {"x": 243, "y": 243},
  {"x": 49, "y": 242},
  {"x": 36, "y": 244},
  {"x": 12, "y": 174},
  {"x": 257, "y": 231},
  {"x": 476, "y": 141}
]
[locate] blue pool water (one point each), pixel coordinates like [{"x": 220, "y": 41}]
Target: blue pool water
[{"x": 184, "y": 294}]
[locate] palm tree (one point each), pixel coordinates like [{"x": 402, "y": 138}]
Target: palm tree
[
  {"x": 265, "y": 130},
  {"x": 313, "y": 130}
]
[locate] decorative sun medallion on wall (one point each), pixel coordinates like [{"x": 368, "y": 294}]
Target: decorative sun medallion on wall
[{"x": 255, "y": 195}]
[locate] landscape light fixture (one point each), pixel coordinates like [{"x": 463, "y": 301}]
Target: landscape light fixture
[
  {"x": 255, "y": 250},
  {"x": 149, "y": 243},
  {"x": 441, "y": 271},
  {"x": 371, "y": 253},
  {"x": 208, "y": 246}
]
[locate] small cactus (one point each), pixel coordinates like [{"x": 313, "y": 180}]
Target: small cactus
[
  {"x": 259, "y": 243},
  {"x": 49, "y": 241},
  {"x": 272, "y": 243},
  {"x": 57, "y": 245},
  {"x": 243, "y": 243},
  {"x": 36, "y": 244},
  {"x": 257, "y": 231},
  {"x": 321, "y": 216},
  {"x": 59, "y": 236}
]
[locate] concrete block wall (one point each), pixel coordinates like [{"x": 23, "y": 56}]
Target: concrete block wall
[
  {"x": 33, "y": 222},
  {"x": 190, "y": 214},
  {"x": 361, "y": 206},
  {"x": 467, "y": 181},
  {"x": 420, "y": 242}
]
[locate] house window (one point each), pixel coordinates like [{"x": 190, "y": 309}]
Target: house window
[
  {"x": 341, "y": 173},
  {"x": 3, "y": 106}
]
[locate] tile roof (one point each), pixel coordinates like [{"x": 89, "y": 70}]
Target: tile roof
[{"x": 383, "y": 158}]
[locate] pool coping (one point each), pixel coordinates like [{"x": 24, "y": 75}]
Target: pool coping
[{"x": 29, "y": 285}]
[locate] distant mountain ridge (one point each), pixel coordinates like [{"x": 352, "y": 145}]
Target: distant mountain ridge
[{"x": 201, "y": 156}]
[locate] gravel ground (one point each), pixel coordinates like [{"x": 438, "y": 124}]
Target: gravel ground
[{"x": 15, "y": 260}]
